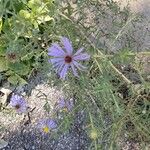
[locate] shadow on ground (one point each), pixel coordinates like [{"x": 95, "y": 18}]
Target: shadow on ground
[{"x": 30, "y": 138}]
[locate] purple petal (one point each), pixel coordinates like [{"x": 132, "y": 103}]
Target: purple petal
[
  {"x": 56, "y": 50},
  {"x": 61, "y": 103},
  {"x": 58, "y": 64},
  {"x": 79, "y": 66},
  {"x": 13, "y": 103},
  {"x": 18, "y": 100},
  {"x": 22, "y": 109},
  {"x": 65, "y": 104},
  {"x": 74, "y": 70},
  {"x": 82, "y": 56},
  {"x": 64, "y": 71},
  {"x": 79, "y": 51},
  {"x": 67, "y": 44},
  {"x": 41, "y": 123},
  {"x": 51, "y": 124},
  {"x": 59, "y": 68},
  {"x": 69, "y": 104},
  {"x": 56, "y": 60}
]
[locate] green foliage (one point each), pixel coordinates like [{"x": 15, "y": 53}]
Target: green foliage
[
  {"x": 105, "y": 93},
  {"x": 22, "y": 37},
  {"x": 3, "y": 64},
  {"x": 0, "y": 24}
]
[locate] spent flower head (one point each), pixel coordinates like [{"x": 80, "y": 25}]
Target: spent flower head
[
  {"x": 46, "y": 125},
  {"x": 12, "y": 57},
  {"x": 65, "y": 105},
  {"x": 19, "y": 103},
  {"x": 93, "y": 134},
  {"x": 64, "y": 58}
]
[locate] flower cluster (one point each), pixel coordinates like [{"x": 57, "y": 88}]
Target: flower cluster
[
  {"x": 47, "y": 125},
  {"x": 64, "y": 58}
]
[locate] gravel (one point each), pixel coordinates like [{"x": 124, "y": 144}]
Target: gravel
[
  {"x": 23, "y": 134},
  {"x": 29, "y": 138}
]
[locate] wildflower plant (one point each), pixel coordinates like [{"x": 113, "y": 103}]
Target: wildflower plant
[
  {"x": 105, "y": 92},
  {"x": 64, "y": 105},
  {"x": 47, "y": 125},
  {"x": 112, "y": 91},
  {"x": 21, "y": 42},
  {"x": 64, "y": 59},
  {"x": 18, "y": 103}
]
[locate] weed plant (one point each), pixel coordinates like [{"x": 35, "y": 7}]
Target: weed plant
[{"x": 116, "y": 106}]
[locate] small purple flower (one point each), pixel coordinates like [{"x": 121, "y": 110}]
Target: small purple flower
[
  {"x": 64, "y": 58},
  {"x": 65, "y": 105},
  {"x": 46, "y": 125},
  {"x": 18, "y": 103}
]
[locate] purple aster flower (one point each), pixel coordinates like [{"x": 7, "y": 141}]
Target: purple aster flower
[
  {"x": 18, "y": 103},
  {"x": 64, "y": 58},
  {"x": 46, "y": 125},
  {"x": 65, "y": 105}
]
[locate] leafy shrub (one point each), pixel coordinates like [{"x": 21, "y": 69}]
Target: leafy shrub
[{"x": 22, "y": 42}]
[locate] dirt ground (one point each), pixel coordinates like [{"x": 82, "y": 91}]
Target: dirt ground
[{"x": 136, "y": 6}]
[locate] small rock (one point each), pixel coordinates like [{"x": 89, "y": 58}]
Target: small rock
[{"x": 3, "y": 143}]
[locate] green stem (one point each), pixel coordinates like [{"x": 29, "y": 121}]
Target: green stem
[{"x": 120, "y": 74}]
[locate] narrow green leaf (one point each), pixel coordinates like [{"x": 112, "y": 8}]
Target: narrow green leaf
[
  {"x": 3, "y": 64},
  {"x": 19, "y": 68},
  {"x": 15, "y": 79},
  {"x": 1, "y": 24}
]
